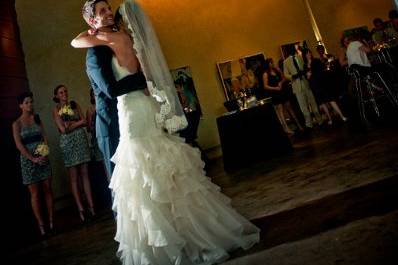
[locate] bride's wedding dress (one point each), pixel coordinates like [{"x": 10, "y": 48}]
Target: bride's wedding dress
[{"x": 168, "y": 211}]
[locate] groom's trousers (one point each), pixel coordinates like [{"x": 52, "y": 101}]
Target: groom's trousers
[{"x": 107, "y": 146}]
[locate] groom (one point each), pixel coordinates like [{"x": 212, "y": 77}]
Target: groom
[{"x": 98, "y": 15}]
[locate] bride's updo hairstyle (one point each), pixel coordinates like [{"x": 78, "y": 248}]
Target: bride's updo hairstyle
[{"x": 88, "y": 10}]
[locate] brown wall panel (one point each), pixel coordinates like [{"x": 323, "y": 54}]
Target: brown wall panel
[
  {"x": 13, "y": 81},
  {"x": 14, "y": 67}
]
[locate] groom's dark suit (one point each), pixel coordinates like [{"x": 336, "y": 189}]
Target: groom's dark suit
[{"x": 106, "y": 89}]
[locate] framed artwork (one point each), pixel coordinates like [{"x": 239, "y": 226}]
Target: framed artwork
[
  {"x": 239, "y": 76},
  {"x": 298, "y": 45},
  {"x": 186, "y": 89}
]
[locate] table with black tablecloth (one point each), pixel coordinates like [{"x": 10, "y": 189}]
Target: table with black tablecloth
[{"x": 250, "y": 136}]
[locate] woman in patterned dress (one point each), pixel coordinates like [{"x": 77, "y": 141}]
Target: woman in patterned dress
[
  {"x": 28, "y": 133},
  {"x": 74, "y": 146}
]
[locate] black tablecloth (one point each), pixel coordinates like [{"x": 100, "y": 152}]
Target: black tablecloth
[{"x": 250, "y": 136}]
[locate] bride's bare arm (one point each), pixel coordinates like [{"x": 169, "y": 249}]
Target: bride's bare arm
[{"x": 87, "y": 40}]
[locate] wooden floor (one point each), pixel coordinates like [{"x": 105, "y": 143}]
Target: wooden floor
[
  {"x": 333, "y": 179},
  {"x": 330, "y": 162}
]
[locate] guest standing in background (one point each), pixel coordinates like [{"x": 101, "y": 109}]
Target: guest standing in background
[
  {"x": 335, "y": 73},
  {"x": 70, "y": 121},
  {"x": 287, "y": 87},
  {"x": 356, "y": 53},
  {"x": 31, "y": 141},
  {"x": 322, "y": 89},
  {"x": 294, "y": 70},
  {"x": 323, "y": 56},
  {"x": 271, "y": 80},
  {"x": 379, "y": 36}
]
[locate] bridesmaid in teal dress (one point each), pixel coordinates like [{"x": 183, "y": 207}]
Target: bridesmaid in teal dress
[
  {"x": 28, "y": 134},
  {"x": 75, "y": 148}
]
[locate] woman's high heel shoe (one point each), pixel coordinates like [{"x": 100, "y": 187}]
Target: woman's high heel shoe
[
  {"x": 82, "y": 217},
  {"x": 42, "y": 230},
  {"x": 92, "y": 212},
  {"x": 52, "y": 230}
]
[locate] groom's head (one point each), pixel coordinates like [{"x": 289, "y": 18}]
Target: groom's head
[{"x": 98, "y": 14}]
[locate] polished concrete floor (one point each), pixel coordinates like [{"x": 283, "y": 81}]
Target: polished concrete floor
[{"x": 331, "y": 201}]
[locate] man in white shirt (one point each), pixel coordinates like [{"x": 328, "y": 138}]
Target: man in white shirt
[
  {"x": 357, "y": 54},
  {"x": 357, "y": 58}
]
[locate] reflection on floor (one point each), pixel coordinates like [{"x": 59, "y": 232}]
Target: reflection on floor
[{"x": 332, "y": 201}]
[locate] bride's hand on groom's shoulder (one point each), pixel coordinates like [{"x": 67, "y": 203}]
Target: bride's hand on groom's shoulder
[{"x": 92, "y": 32}]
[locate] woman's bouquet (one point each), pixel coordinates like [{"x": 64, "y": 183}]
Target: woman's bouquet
[
  {"x": 42, "y": 150},
  {"x": 66, "y": 113}
]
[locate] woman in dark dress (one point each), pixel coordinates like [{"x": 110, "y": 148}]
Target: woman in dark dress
[
  {"x": 322, "y": 89},
  {"x": 29, "y": 135},
  {"x": 273, "y": 83},
  {"x": 287, "y": 88}
]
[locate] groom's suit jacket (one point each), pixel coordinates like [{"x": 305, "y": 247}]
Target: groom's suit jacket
[{"x": 106, "y": 89}]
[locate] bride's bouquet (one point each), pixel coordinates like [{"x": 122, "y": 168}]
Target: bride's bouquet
[
  {"x": 42, "y": 150},
  {"x": 66, "y": 113}
]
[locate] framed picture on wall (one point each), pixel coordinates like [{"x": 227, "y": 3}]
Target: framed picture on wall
[
  {"x": 239, "y": 76},
  {"x": 186, "y": 89},
  {"x": 298, "y": 45}
]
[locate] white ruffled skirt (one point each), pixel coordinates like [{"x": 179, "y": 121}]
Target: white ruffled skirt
[{"x": 168, "y": 211}]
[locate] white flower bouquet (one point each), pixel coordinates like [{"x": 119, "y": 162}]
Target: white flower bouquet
[
  {"x": 42, "y": 150},
  {"x": 66, "y": 113}
]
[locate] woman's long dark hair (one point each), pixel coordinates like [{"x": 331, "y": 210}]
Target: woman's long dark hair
[{"x": 265, "y": 67}]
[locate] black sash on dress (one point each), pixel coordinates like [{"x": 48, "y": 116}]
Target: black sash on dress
[{"x": 32, "y": 139}]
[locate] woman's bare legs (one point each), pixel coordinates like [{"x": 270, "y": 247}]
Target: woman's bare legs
[
  {"x": 35, "y": 201},
  {"x": 337, "y": 110},
  {"x": 281, "y": 117},
  {"x": 289, "y": 110},
  {"x": 87, "y": 186},
  {"x": 74, "y": 185},
  {"x": 325, "y": 109},
  {"x": 49, "y": 201}
]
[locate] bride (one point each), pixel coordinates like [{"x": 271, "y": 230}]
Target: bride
[{"x": 168, "y": 211}]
